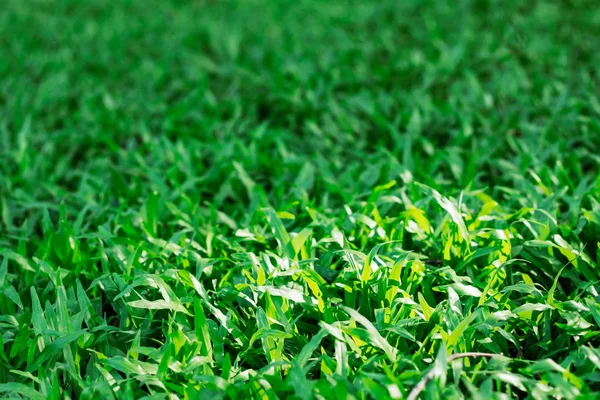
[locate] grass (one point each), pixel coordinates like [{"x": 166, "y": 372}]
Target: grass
[{"x": 299, "y": 199}]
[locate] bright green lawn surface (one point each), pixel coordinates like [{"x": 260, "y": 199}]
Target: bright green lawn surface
[{"x": 299, "y": 199}]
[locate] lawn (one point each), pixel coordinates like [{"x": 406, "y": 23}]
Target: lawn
[{"x": 299, "y": 199}]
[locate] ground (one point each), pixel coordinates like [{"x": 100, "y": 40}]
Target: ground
[{"x": 299, "y": 199}]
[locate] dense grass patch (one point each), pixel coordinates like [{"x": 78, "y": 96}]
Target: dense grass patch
[{"x": 299, "y": 199}]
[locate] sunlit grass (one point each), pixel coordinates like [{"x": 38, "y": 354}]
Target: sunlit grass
[{"x": 299, "y": 199}]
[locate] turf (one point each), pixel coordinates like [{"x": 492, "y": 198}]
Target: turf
[{"x": 299, "y": 199}]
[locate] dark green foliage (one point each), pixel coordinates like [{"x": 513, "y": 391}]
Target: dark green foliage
[{"x": 299, "y": 199}]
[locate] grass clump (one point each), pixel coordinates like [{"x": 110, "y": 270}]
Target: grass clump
[{"x": 299, "y": 199}]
